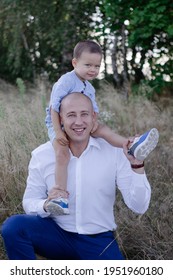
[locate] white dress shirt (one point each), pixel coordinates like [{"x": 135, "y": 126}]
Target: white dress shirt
[{"x": 92, "y": 182}]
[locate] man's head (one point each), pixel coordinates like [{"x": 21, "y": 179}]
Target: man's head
[
  {"x": 77, "y": 116},
  {"x": 87, "y": 58}
]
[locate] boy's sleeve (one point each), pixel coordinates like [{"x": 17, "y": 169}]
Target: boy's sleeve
[{"x": 60, "y": 89}]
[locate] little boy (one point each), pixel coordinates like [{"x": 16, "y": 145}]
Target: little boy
[{"x": 86, "y": 62}]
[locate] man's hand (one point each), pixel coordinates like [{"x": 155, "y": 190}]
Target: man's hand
[
  {"x": 57, "y": 192},
  {"x": 133, "y": 161},
  {"x": 127, "y": 144}
]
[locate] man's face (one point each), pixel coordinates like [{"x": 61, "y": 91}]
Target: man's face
[
  {"x": 87, "y": 66},
  {"x": 77, "y": 116}
]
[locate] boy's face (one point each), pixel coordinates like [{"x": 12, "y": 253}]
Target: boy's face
[{"x": 87, "y": 66}]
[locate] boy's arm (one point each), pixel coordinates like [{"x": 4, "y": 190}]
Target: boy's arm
[{"x": 60, "y": 135}]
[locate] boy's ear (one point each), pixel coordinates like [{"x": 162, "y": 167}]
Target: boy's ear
[{"x": 74, "y": 60}]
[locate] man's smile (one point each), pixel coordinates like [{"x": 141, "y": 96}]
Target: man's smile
[{"x": 79, "y": 131}]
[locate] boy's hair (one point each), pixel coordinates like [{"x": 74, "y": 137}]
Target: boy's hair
[{"x": 87, "y": 46}]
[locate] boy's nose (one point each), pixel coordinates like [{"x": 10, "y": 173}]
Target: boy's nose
[{"x": 93, "y": 68}]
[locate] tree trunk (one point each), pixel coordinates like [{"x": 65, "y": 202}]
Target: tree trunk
[
  {"x": 116, "y": 76},
  {"x": 125, "y": 76}
]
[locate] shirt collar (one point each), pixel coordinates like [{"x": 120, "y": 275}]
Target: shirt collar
[{"x": 93, "y": 142}]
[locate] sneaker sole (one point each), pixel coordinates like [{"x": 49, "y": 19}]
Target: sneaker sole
[
  {"x": 55, "y": 209},
  {"x": 148, "y": 145}
]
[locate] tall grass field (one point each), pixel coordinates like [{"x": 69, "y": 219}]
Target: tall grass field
[{"x": 22, "y": 129}]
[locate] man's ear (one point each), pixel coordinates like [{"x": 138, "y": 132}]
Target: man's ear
[
  {"x": 95, "y": 115},
  {"x": 74, "y": 61}
]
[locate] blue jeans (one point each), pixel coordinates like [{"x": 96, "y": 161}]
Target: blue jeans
[{"x": 26, "y": 235}]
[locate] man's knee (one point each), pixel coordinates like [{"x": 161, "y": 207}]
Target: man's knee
[{"x": 10, "y": 226}]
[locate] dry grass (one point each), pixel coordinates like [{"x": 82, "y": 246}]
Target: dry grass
[{"x": 149, "y": 236}]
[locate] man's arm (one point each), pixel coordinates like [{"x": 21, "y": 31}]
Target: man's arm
[
  {"x": 35, "y": 193},
  {"x": 133, "y": 183}
]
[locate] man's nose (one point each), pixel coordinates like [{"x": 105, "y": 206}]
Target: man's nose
[{"x": 78, "y": 120}]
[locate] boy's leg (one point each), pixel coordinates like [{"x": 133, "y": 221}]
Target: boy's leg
[
  {"x": 62, "y": 159},
  {"x": 141, "y": 147},
  {"x": 59, "y": 206},
  {"x": 105, "y": 132},
  {"x": 27, "y": 235}
]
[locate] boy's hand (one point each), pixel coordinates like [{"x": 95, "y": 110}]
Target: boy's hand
[
  {"x": 95, "y": 127},
  {"x": 62, "y": 138},
  {"x": 56, "y": 192}
]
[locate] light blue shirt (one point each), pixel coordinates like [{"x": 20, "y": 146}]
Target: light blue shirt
[{"x": 69, "y": 83}]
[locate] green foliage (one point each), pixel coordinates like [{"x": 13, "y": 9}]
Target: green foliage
[
  {"x": 151, "y": 30},
  {"x": 21, "y": 86},
  {"x": 39, "y": 36},
  {"x": 143, "y": 89}
]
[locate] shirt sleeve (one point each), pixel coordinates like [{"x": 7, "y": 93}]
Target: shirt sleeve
[
  {"x": 134, "y": 187},
  {"x": 35, "y": 193}
]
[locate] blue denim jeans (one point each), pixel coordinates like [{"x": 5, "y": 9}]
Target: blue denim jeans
[{"x": 26, "y": 235}]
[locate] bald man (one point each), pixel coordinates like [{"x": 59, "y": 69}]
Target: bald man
[{"x": 96, "y": 169}]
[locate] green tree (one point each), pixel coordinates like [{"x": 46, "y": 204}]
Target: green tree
[
  {"x": 143, "y": 31},
  {"x": 151, "y": 33},
  {"x": 39, "y": 36}
]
